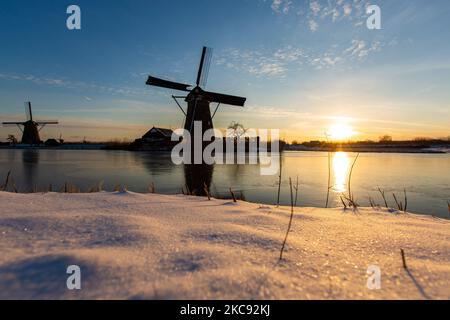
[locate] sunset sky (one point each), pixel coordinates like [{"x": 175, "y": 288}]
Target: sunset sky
[{"x": 306, "y": 67}]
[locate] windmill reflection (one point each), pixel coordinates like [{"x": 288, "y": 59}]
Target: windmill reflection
[
  {"x": 198, "y": 178},
  {"x": 30, "y": 162}
]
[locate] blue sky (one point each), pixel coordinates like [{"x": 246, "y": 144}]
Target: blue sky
[{"x": 303, "y": 65}]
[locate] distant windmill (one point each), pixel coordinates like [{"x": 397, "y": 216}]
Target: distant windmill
[
  {"x": 31, "y": 128},
  {"x": 198, "y": 100}
]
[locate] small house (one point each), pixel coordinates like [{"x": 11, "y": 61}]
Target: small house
[
  {"x": 155, "y": 135},
  {"x": 157, "y": 139}
]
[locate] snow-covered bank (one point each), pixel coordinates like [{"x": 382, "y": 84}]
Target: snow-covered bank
[{"x": 135, "y": 246}]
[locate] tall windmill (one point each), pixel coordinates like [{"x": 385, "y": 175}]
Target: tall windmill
[
  {"x": 31, "y": 128},
  {"x": 198, "y": 99}
]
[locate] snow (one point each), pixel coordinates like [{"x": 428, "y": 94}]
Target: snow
[{"x": 148, "y": 246}]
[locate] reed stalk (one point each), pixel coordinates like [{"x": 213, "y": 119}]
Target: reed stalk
[
  {"x": 232, "y": 195},
  {"x": 296, "y": 193},
  {"x": 350, "y": 177},
  {"x": 384, "y": 197},
  {"x": 279, "y": 181},
  {"x": 205, "y": 188},
  {"x": 329, "y": 179},
  {"x": 290, "y": 222},
  {"x": 5, "y": 185}
]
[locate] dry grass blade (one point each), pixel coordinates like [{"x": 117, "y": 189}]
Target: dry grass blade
[
  {"x": 329, "y": 173},
  {"x": 5, "y": 185},
  {"x": 290, "y": 221},
  {"x": 232, "y": 195},
  {"x": 14, "y": 186},
  {"x": 97, "y": 188},
  {"x": 406, "y": 200},
  {"x": 350, "y": 177},
  {"x": 296, "y": 193},
  {"x": 351, "y": 201},
  {"x": 279, "y": 181},
  {"x": 205, "y": 188},
  {"x": 329, "y": 180},
  {"x": 343, "y": 202},
  {"x": 384, "y": 197},
  {"x": 403, "y": 259},
  {"x": 188, "y": 191},
  {"x": 414, "y": 280},
  {"x": 151, "y": 188},
  {"x": 371, "y": 202},
  {"x": 399, "y": 204}
]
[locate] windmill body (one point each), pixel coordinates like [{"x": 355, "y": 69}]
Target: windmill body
[
  {"x": 30, "y": 128},
  {"x": 31, "y": 133},
  {"x": 198, "y": 109}
]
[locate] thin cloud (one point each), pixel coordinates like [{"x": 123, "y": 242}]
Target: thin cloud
[
  {"x": 277, "y": 63},
  {"x": 317, "y": 10},
  {"x": 360, "y": 49},
  {"x": 69, "y": 84},
  {"x": 281, "y": 6},
  {"x": 315, "y": 7},
  {"x": 313, "y": 25}
]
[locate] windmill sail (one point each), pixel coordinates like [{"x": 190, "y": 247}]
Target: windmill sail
[
  {"x": 157, "y": 82},
  {"x": 11, "y": 124},
  {"x": 224, "y": 99},
  {"x": 45, "y": 122},
  {"x": 203, "y": 69},
  {"x": 200, "y": 68},
  {"x": 28, "y": 112}
]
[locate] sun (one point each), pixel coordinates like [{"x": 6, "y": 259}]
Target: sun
[{"x": 340, "y": 131}]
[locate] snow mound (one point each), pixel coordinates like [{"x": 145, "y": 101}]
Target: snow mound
[{"x": 148, "y": 246}]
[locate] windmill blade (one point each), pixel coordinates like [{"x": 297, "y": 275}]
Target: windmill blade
[
  {"x": 205, "y": 67},
  {"x": 224, "y": 99},
  {"x": 157, "y": 82},
  {"x": 200, "y": 68},
  {"x": 12, "y": 124},
  {"x": 28, "y": 112},
  {"x": 45, "y": 122}
]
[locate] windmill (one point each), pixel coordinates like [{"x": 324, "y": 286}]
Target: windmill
[
  {"x": 198, "y": 100},
  {"x": 31, "y": 128}
]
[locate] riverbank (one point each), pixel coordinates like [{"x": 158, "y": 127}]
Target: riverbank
[
  {"x": 426, "y": 149},
  {"x": 393, "y": 147},
  {"x": 136, "y": 246},
  {"x": 74, "y": 146}
]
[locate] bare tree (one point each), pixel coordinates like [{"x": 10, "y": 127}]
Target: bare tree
[
  {"x": 385, "y": 138},
  {"x": 237, "y": 130},
  {"x": 12, "y": 139}
]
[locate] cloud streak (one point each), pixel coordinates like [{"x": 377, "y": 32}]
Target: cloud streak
[
  {"x": 277, "y": 63},
  {"x": 317, "y": 11},
  {"x": 69, "y": 84}
]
